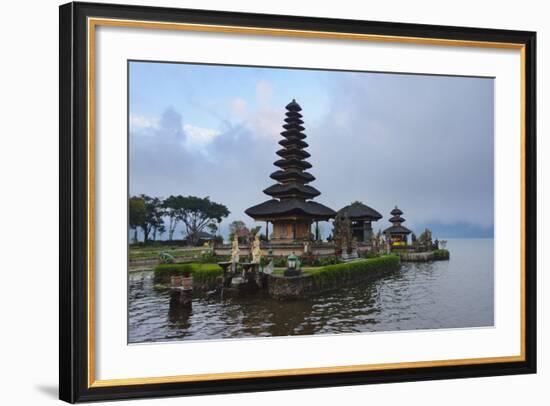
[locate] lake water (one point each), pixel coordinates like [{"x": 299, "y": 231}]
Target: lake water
[{"x": 444, "y": 294}]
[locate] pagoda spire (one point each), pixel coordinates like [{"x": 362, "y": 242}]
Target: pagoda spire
[
  {"x": 290, "y": 209},
  {"x": 292, "y": 177},
  {"x": 396, "y": 218},
  {"x": 397, "y": 233}
]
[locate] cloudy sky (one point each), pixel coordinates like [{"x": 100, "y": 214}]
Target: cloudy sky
[{"x": 422, "y": 142}]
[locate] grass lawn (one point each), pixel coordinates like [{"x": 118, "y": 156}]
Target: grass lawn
[
  {"x": 306, "y": 270},
  {"x": 203, "y": 274},
  {"x": 362, "y": 265},
  {"x": 206, "y": 274}
]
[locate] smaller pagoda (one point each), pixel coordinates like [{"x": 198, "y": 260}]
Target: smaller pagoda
[
  {"x": 397, "y": 233},
  {"x": 361, "y": 217}
]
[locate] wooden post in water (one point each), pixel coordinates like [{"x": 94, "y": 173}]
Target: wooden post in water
[{"x": 181, "y": 290}]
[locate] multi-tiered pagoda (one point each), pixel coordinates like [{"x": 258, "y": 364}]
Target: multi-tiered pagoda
[
  {"x": 397, "y": 233},
  {"x": 291, "y": 210}
]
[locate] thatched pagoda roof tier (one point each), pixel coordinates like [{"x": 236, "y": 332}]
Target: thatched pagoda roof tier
[
  {"x": 397, "y": 230},
  {"x": 294, "y": 142},
  {"x": 293, "y": 153},
  {"x": 396, "y": 220},
  {"x": 396, "y": 212},
  {"x": 294, "y": 118},
  {"x": 292, "y": 174},
  {"x": 360, "y": 211},
  {"x": 293, "y": 135},
  {"x": 293, "y": 106},
  {"x": 292, "y": 189},
  {"x": 292, "y": 163},
  {"x": 294, "y": 114},
  {"x": 293, "y": 127},
  {"x": 273, "y": 209}
]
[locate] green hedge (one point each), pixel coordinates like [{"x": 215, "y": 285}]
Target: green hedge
[
  {"x": 204, "y": 275},
  {"x": 334, "y": 274},
  {"x": 441, "y": 254}
]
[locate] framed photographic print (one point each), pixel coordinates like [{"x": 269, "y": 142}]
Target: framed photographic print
[{"x": 256, "y": 202}]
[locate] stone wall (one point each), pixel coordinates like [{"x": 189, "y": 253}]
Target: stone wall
[
  {"x": 427, "y": 256},
  {"x": 281, "y": 287}
]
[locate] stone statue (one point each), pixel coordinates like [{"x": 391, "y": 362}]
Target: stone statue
[
  {"x": 387, "y": 240},
  {"x": 256, "y": 250},
  {"x": 342, "y": 234},
  {"x": 235, "y": 250},
  {"x": 306, "y": 247},
  {"x": 347, "y": 235},
  {"x": 353, "y": 244}
]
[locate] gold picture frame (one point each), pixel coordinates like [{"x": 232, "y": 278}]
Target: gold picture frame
[{"x": 78, "y": 26}]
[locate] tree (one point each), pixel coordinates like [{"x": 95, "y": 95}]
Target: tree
[
  {"x": 197, "y": 212},
  {"x": 213, "y": 228},
  {"x": 172, "y": 209},
  {"x": 151, "y": 217},
  {"x": 158, "y": 225},
  {"x": 137, "y": 214},
  {"x": 237, "y": 227}
]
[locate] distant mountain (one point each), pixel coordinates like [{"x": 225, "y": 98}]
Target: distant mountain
[{"x": 456, "y": 230}]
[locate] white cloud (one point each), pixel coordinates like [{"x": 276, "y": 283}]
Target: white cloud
[
  {"x": 140, "y": 123},
  {"x": 198, "y": 138},
  {"x": 267, "y": 119}
]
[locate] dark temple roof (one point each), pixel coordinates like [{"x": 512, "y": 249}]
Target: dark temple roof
[
  {"x": 397, "y": 219},
  {"x": 397, "y": 230},
  {"x": 293, "y": 106},
  {"x": 292, "y": 189},
  {"x": 281, "y": 208},
  {"x": 293, "y": 153},
  {"x": 290, "y": 134},
  {"x": 294, "y": 141},
  {"x": 292, "y": 163},
  {"x": 360, "y": 211},
  {"x": 396, "y": 212},
  {"x": 291, "y": 174}
]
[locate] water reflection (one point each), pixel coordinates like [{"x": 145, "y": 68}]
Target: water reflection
[
  {"x": 179, "y": 311},
  {"x": 455, "y": 293}
]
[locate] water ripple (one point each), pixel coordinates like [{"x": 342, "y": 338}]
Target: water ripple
[{"x": 447, "y": 294}]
